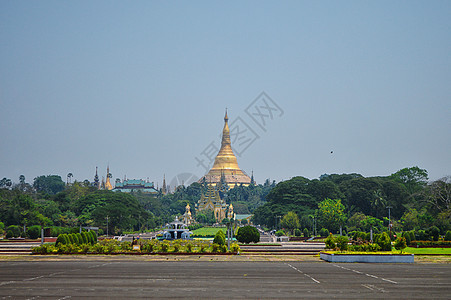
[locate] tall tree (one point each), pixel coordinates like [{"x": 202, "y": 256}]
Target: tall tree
[
  {"x": 51, "y": 184},
  {"x": 331, "y": 214},
  {"x": 413, "y": 178},
  {"x": 290, "y": 221}
]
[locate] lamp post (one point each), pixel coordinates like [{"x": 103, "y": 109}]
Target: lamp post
[
  {"x": 107, "y": 226},
  {"x": 389, "y": 219},
  {"x": 313, "y": 225}
]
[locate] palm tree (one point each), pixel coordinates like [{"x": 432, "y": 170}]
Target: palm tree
[{"x": 378, "y": 202}]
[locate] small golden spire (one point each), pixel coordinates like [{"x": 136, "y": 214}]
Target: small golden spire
[{"x": 226, "y": 118}]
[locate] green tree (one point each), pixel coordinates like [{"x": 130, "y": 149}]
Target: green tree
[
  {"x": 290, "y": 221},
  {"x": 378, "y": 203},
  {"x": 331, "y": 213},
  {"x": 51, "y": 184},
  {"x": 410, "y": 219},
  {"x": 248, "y": 234},
  {"x": 413, "y": 178},
  {"x": 438, "y": 194}
]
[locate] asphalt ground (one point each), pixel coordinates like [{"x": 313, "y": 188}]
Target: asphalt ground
[{"x": 131, "y": 279}]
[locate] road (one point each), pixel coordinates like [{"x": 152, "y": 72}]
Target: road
[{"x": 125, "y": 279}]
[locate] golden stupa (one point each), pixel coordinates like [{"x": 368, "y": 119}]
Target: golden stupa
[{"x": 225, "y": 167}]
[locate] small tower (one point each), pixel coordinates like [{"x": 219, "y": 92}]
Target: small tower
[
  {"x": 187, "y": 218},
  {"x": 231, "y": 214},
  {"x": 252, "y": 178},
  {"x": 163, "y": 189},
  {"x": 108, "y": 185},
  {"x": 96, "y": 182}
]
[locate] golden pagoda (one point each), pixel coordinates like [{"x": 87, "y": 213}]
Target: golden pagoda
[
  {"x": 108, "y": 185},
  {"x": 226, "y": 166}
]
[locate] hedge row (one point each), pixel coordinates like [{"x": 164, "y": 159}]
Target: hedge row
[
  {"x": 430, "y": 243},
  {"x": 82, "y": 238},
  {"x": 146, "y": 247}
]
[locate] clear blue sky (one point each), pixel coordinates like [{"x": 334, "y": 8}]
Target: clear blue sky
[{"x": 143, "y": 85}]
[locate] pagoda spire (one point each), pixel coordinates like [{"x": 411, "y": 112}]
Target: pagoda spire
[
  {"x": 225, "y": 164},
  {"x": 163, "y": 190},
  {"x": 108, "y": 185},
  {"x": 96, "y": 180}
]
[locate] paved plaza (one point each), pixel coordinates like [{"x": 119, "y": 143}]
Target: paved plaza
[{"x": 125, "y": 279}]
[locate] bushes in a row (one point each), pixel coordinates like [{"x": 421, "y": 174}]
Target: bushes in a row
[
  {"x": 382, "y": 242},
  {"x": 339, "y": 242},
  {"x": 77, "y": 238},
  {"x": 430, "y": 243},
  {"x": 146, "y": 246}
]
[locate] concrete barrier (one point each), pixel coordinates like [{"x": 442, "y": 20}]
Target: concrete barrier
[{"x": 367, "y": 258}]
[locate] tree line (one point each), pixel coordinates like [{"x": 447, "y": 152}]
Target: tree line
[
  {"x": 49, "y": 201},
  {"x": 354, "y": 202}
]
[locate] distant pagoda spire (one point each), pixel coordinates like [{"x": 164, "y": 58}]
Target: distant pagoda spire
[
  {"x": 108, "y": 185},
  {"x": 252, "y": 178},
  {"x": 96, "y": 182},
  {"x": 163, "y": 189}
]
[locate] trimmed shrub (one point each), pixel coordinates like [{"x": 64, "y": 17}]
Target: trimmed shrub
[
  {"x": 248, "y": 234},
  {"x": 76, "y": 240},
  {"x": 94, "y": 236},
  {"x": 280, "y": 232},
  {"x": 71, "y": 239},
  {"x": 85, "y": 238},
  {"x": 219, "y": 238},
  {"x": 297, "y": 232},
  {"x": 34, "y": 232},
  {"x": 383, "y": 240},
  {"x": 60, "y": 240},
  {"x": 433, "y": 233},
  {"x": 364, "y": 247},
  {"x": 448, "y": 235},
  {"x": 324, "y": 232},
  {"x": 306, "y": 232},
  {"x": 90, "y": 238},
  {"x": 406, "y": 235},
  {"x": 342, "y": 242},
  {"x": 13, "y": 231},
  {"x": 79, "y": 238},
  {"x": 330, "y": 242}
]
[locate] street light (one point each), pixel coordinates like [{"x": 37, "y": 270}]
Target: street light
[
  {"x": 107, "y": 226},
  {"x": 313, "y": 225},
  {"x": 389, "y": 220}
]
